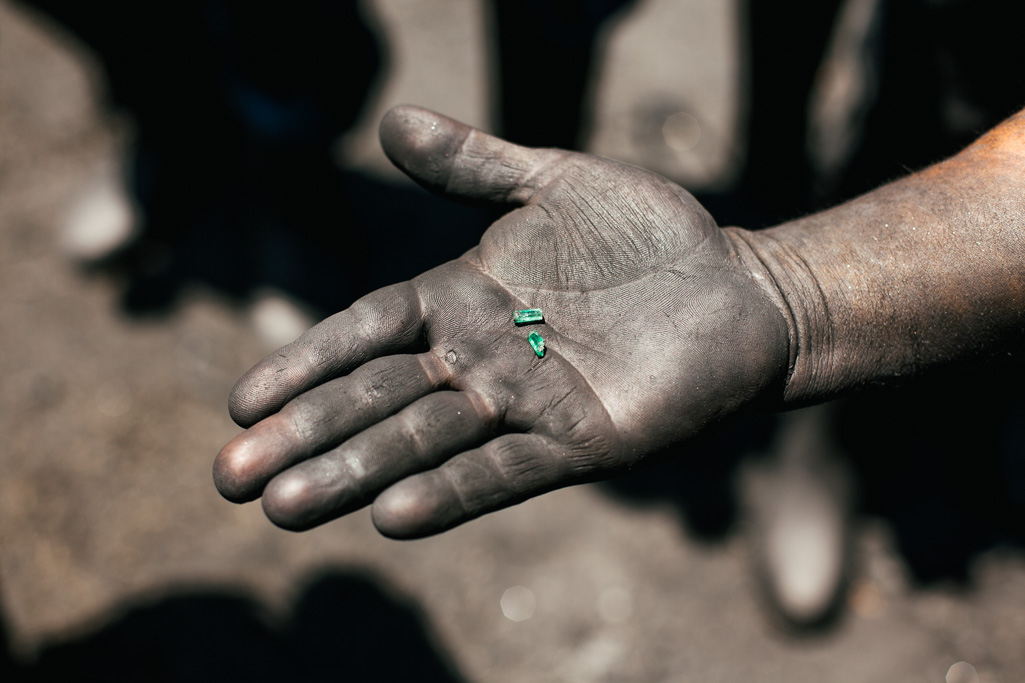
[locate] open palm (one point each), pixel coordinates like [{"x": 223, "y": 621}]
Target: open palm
[{"x": 427, "y": 400}]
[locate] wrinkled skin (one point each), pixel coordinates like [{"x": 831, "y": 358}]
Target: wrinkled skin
[{"x": 425, "y": 399}]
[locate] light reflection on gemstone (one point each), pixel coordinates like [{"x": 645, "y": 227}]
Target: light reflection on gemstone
[
  {"x": 537, "y": 342},
  {"x": 528, "y": 315}
]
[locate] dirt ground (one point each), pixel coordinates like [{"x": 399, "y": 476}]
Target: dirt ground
[{"x": 119, "y": 561}]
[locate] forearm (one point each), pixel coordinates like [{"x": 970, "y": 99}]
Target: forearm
[{"x": 924, "y": 271}]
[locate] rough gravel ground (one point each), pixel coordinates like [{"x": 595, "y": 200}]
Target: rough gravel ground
[{"x": 118, "y": 560}]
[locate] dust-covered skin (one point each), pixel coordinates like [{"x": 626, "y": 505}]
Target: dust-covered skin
[
  {"x": 922, "y": 272},
  {"x": 426, "y": 400}
]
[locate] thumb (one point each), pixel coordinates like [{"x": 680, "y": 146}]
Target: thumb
[{"x": 456, "y": 161}]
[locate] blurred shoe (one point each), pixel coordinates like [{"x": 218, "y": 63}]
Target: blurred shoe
[
  {"x": 799, "y": 504},
  {"x": 277, "y": 319},
  {"x": 102, "y": 219}
]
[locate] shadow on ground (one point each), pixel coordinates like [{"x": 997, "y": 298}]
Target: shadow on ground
[
  {"x": 345, "y": 625},
  {"x": 236, "y": 109}
]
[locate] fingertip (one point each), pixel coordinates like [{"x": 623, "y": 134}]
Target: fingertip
[
  {"x": 406, "y": 511},
  {"x": 234, "y": 468},
  {"x": 247, "y": 462},
  {"x": 287, "y": 502},
  {"x": 460, "y": 162},
  {"x": 268, "y": 386},
  {"x": 401, "y": 118},
  {"x": 422, "y": 143},
  {"x": 244, "y": 411}
]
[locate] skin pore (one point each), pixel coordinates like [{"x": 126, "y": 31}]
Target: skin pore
[{"x": 426, "y": 402}]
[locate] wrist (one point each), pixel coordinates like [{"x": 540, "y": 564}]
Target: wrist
[
  {"x": 926, "y": 271},
  {"x": 762, "y": 266},
  {"x": 818, "y": 368}
]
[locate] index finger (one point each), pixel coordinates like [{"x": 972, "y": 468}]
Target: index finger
[{"x": 387, "y": 321}]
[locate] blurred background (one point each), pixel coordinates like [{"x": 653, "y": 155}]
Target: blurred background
[{"x": 184, "y": 188}]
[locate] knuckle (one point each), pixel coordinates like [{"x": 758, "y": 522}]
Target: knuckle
[
  {"x": 410, "y": 431},
  {"x": 520, "y": 467},
  {"x": 438, "y": 369},
  {"x": 485, "y": 407},
  {"x": 371, "y": 385}
]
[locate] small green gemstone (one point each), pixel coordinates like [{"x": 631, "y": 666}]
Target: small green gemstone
[
  {"x": 528, "y": 315},
  {"x": 537, "y": 342}
]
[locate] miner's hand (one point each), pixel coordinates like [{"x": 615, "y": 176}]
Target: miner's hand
[{"x": 425, "y": 399}]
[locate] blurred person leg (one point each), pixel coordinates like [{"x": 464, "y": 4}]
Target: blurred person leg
[
  {"x": 784, "y": 49},
  {"x": 932, "y": 87},
  {"x": 235, "y": 108},
  {"x": 942, "y": 81},
  {"x": 295, "y": 81},
  {"x": 799, "y": 497},
  {"x": 547, "y": 56},
  {"x": 938, "y": 82}
]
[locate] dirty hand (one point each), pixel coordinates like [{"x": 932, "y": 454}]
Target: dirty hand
[{"x": 425, "y": 399}]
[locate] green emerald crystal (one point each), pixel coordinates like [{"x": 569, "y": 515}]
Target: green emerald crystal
[
  {"x": 528, "y": 315},
  {"x": 537, "y": 342}
]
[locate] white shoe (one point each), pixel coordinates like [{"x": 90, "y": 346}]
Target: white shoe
[
  {"x": 799, "y": 503},
  {"x": 277, "y": 319},
  {"x": 102, "y": 219}
]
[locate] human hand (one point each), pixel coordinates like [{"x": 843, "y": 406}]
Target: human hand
[{"x": 425, "y": 399}]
